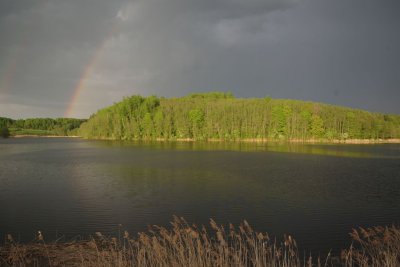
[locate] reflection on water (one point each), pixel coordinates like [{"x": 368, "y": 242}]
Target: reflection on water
[
  {"x": 317, "y": 193},
  {"x": 339, "y": 150}
]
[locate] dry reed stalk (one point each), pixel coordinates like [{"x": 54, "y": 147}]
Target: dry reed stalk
[
  {"x": 373, "y": 247},
  {"x": 189, "y": 245}
]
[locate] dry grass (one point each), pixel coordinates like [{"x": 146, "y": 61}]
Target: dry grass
[
  {"x": 373, "y": 247},
  {"x": 189, "y": 245}
]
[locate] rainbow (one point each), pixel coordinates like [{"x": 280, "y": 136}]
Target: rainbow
[
  {"x": 86, "y": 73},
  {"x": 80, "y": 85}
]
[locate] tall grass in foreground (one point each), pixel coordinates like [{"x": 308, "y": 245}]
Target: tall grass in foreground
[{"x": 189, "y": 245}]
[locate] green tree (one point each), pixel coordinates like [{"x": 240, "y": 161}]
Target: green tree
[
  {"x": 159, "y": 123},
  {"x": 305, "y": 121},
  {"x": 280, "y": 119},
  {"x": 148, "y": 126},
  {"x": 317, "y": 126},
  {"x": 196, "y": 117}
]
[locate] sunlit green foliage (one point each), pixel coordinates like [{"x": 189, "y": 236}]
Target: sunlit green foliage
[
  {"x": 222, "y": 116},
  {"x": 317, "y": 126}
]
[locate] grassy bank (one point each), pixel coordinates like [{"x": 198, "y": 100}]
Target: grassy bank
[{"x": 189, "y": 245}]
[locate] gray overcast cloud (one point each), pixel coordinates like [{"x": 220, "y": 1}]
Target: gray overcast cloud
[{"x": 73, "y": 57}]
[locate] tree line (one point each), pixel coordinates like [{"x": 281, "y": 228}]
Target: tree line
[
  {"x": 39, "y": 126},
  {"x": 222, "y": 116}
]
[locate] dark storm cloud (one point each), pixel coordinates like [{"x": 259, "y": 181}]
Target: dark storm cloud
[{"x": 340, "y": 52}]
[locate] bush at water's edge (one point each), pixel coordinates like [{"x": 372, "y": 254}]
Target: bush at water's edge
[{"x": 4, "y": 132}]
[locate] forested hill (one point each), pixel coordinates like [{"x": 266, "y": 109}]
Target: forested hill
[{"x": 222, "y": 116}]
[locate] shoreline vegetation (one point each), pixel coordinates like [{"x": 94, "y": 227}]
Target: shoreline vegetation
[
  {"x": 218, "y": 116},
  {"x": 265, "y": 140},
  {"x": 251, "y": 140},
  {"x": 186, "y": 244},
  {"x": 221, "y": 116}
]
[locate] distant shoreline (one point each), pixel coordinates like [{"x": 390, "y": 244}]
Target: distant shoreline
[{"x": 246, "y": 140}]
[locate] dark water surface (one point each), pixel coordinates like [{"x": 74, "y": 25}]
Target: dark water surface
[{"x": 318, "y": 193}]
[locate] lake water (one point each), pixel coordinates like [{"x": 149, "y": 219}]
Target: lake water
[{"x": 72, "y": 188}]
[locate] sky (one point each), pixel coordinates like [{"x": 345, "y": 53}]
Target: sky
[{"x": 70, "y": 58}]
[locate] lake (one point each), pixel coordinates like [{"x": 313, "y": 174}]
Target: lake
[{"x": 72, "y": 188}]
